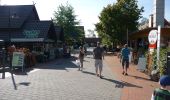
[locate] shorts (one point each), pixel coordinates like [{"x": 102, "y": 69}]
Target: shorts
[
  {"x": 98, "y": 64},
  {"x": 125, "y": 61}
]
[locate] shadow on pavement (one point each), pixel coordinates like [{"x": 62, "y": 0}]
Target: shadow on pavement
[
  {"x": 138, "y": 77},
  {"x": 122, "y": 84},
  {"x": 131, "y": 85},
  {"x": 90, "y": 73},
  {"x": 59, "y": 64},
  {"x": 19, "y": 71},
  {"x": 118, "y": 83},
  {"x": 24, "y": 83}
]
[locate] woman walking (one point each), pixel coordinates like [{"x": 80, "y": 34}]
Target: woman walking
[{"x": 81, "y": 57}]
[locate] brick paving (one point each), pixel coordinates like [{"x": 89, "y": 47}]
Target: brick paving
[
  {"x": 61, "y": 80},
  {"x": 137, "y": 85}
]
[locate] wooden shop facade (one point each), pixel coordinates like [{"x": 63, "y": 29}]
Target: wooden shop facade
[{"x": 20, "y": 26}]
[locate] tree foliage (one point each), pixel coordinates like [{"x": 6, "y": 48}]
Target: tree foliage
[
  {"x": 66, "y": 18},
  {"x": 115, "y": 19}
]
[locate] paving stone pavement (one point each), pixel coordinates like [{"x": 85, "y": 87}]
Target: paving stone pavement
[{"x": 61, "y": 80}]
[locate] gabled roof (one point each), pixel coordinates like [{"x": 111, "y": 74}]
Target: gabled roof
[
  {"x": 42, "y": 26},
  {"x": 14, "y": 16},
  {"x": 36, "y": 30},
  {"x": 59, "y": 32},
  {"x": 166, "y": 23}
]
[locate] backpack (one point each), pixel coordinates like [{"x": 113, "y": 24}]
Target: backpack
[{"x": 161, "y": 94}]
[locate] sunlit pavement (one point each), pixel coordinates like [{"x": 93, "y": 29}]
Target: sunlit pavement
[
  {"x": 137, "y": 85},
  {"x": 61, "y": 80}
]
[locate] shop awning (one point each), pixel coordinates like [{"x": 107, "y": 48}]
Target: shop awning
[{"x": 27, "y": 39}]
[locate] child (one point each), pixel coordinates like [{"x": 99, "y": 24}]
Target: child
[{"x": 163, "y": 92}]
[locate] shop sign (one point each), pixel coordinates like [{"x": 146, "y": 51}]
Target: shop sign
[
  {"x": 152, "y": 37},
  {"x": 18, "y": 59},
  {"x": 141, "y": 64},
  {"x": 31, "y": 33}
]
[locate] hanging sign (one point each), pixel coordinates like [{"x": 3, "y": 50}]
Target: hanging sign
[{"x": 152, "y": 37}]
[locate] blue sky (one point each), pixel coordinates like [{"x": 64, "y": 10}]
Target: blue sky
[{"x": 86, "y": 10}]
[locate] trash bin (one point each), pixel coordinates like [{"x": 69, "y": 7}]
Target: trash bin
[{"x": 168, "y": 63}]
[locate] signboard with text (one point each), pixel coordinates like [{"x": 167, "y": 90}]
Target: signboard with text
[
  {"x": 152, "y": 37},
  {"x": 141, "y": 64},
  {"x": 31, "y": 33},
  {"x": 18, "y": 59}
]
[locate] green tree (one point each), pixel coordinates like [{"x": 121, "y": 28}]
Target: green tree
[
  {"x": 115, "y": 19},
  {"x": 66, "y": 18}
]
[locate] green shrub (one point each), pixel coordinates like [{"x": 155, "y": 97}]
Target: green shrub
[{"x": 161, "y": 64}]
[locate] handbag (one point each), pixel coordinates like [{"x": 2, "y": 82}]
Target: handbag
[{"x": 78, "y": 62}]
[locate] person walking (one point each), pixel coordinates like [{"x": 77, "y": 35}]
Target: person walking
[
  {"x": 125, "y": 59},
  {"x": 81, "y": 57},
  {"x": 162, "y": 93},
  {"x": 98, "y": 54}
]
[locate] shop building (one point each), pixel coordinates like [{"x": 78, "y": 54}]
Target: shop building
[{"x": 20, "y": 26}]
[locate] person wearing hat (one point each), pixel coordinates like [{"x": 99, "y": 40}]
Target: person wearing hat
[{"x": 162, "y": 93}]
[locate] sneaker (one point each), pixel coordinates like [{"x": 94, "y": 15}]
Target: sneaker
[
  {"x": 101, "y": 77},
  {"x": 126, "y": 74},
  {"x": 123, "y": 72}
]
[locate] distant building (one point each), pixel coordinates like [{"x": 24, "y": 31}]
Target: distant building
[{"x": 92, "y": 41}]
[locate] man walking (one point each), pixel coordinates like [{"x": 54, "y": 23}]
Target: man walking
[
  {"x": 98, "y": 54},
  {"x": 125, "y": 59}
]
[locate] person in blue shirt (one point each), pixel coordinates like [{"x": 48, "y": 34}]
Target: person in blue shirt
[{"x": 125, "y": 59}]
